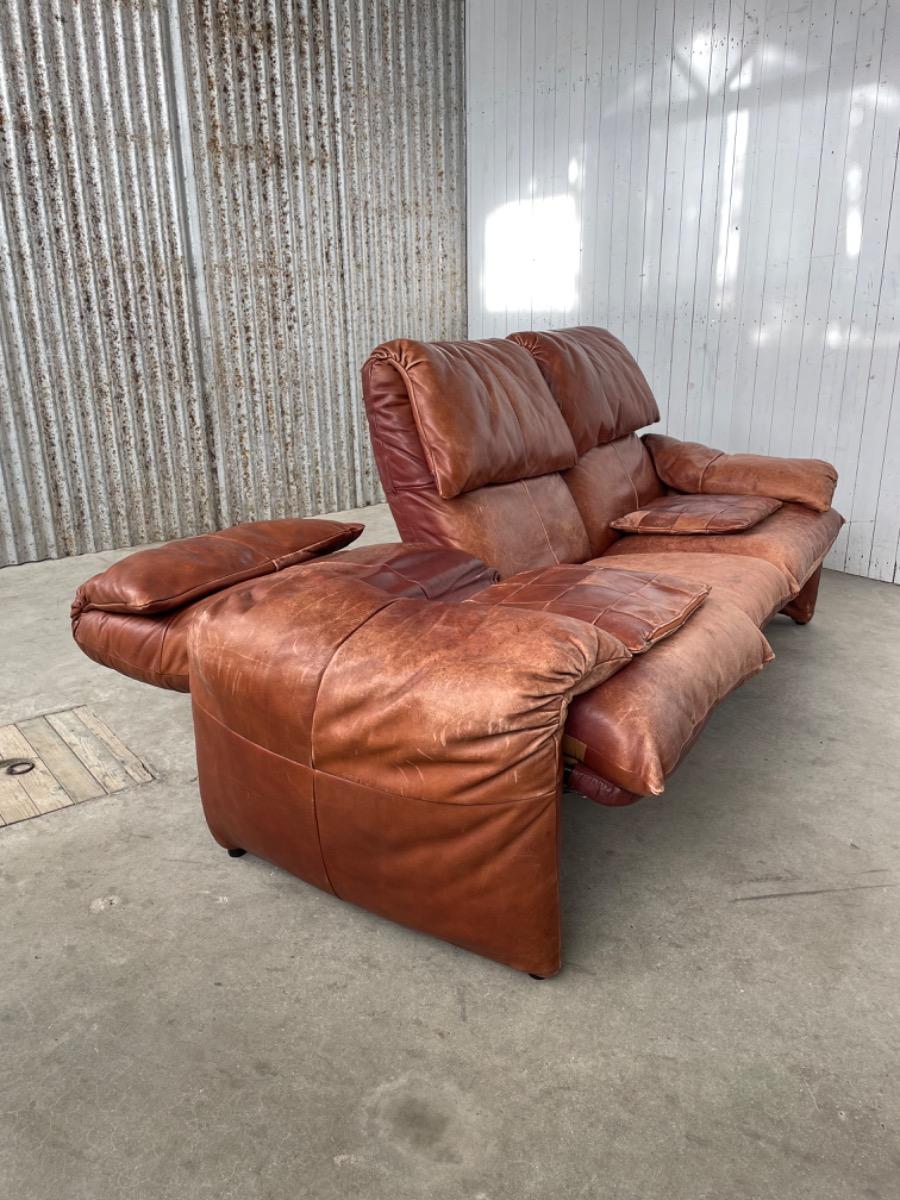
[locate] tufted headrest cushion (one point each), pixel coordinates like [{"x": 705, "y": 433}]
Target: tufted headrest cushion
[
  {"x": 600, "y": 389},
  {"x": 482, "y": 410}
]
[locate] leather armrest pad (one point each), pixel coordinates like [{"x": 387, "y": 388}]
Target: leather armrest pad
[
  {"x": 163, "y": 578},
  {"x": 699, "y": 470}
]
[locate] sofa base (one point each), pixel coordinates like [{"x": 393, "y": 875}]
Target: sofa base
[
  {"x": 803, "y": 606},
  {"x": 581, "y": 779},
  {"x": 483, "y": 877}
]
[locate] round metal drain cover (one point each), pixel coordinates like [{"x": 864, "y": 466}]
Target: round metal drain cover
[{"x": 16, "y": 766}]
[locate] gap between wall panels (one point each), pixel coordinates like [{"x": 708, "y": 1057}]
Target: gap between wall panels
[
  {"x": 716, "y": 183},
  {"x": 209, "y": 214}
]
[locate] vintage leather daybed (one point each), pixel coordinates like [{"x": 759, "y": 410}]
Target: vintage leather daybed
[{"x": 392, "y": 723}]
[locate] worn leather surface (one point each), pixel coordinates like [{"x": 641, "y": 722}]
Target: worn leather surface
[
  {"x": 692, "y": 467},
  {"x": 163, "y": 578},
  {"x": 417, "y": 569},
  {"x": 757, "y": 588},
  {"x": 635, "y": 729},
  {"x": 697, "y": 514},
  {"x": 153, "y": 649},
  {"x": 511, "y": 526},
  {"x": 795, "y": 540},
  {"x": 638, "y": 608},
  {"x": 608, "y": 481},
  {"x": 600, "y": 389},
  {"x": 301, "y": 686},
  {"x": 482, "y": 411}
]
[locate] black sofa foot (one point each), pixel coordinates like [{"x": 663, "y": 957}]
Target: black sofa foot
[{"x": 236, "y": 853}]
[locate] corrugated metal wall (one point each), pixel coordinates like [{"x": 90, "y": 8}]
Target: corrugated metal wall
[
  {"x": 717, "y": 182},
  {"x": 209, "y": 213}
]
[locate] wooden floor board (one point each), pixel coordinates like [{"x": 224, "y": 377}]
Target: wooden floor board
[{"x": 76, "y": 757}]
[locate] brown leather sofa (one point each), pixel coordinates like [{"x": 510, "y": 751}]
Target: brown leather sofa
[{"x": 391, "y": 723}]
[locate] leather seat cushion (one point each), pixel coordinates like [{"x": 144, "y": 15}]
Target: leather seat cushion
[
  {"x": 756, "y": 587},
  {"x": 697, "y": 514},
  {"x": 634, "y": 729},
  {"x": 639, "y": 608},
  {"x": 795, "y": 539}
]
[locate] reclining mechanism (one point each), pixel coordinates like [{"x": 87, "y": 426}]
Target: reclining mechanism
[{"x": 391, "y": 723}]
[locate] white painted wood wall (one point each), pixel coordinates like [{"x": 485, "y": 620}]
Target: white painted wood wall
[{"x": 715, "y": 182}]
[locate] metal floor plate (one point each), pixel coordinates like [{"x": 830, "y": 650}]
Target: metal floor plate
[{"x": 76, "y": 757}]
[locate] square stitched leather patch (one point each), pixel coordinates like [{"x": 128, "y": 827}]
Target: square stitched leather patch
[
  {"x": 697, "y": 514},
  {"x": 638, "y": 607}
]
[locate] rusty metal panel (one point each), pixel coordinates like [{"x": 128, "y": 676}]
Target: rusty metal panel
[{"x": 210, "y": 211}]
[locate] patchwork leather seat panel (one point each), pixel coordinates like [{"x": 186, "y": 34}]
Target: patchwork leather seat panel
[
  {"x": 697, "y": 514},
  {"x": 634, "y": 729},
  {"x": 639, "y": 608},
  {"x": 756, "y": 587},
  {"x": 512, "y": 526},
  {"x": 608, "y": 481},
  {"x": 795, "y": 540}
]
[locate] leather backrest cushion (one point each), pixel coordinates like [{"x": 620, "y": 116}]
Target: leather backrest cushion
[
  {"x": 609, "y": 481},
  {"x": 637, "y": 607},
  {"x": 600, "y": 389},
  {"x": 482, "y": 411},
  {"x": 167, "y": 577},
  {"x": 697, "y": 514}
]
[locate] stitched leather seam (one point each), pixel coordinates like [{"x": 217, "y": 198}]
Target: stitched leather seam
[
  {"x": 548, "y": 795},
  {"x": 315, "y": 816},
  {"x": 524, "y": 483},
  {"x": 714, "y": 459},
  {"x": 628, "y": 476}
]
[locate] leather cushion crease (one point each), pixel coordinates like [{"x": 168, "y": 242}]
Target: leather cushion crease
[
  {"x": 697, "y": 514},
  {"x": 639, "y": 608}
]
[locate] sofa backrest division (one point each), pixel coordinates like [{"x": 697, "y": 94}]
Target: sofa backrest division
[{"x": 604, "y": 399}]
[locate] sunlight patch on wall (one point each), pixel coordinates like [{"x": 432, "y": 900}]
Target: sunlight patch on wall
[{"x": 532, "y": 250}]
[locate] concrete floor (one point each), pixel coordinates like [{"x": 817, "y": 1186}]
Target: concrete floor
[{"x": 178, "y": 1025}]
